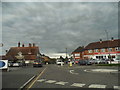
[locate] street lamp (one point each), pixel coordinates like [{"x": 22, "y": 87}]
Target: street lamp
[{"x": 108, "y": 46}]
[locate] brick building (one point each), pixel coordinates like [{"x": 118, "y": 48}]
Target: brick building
[
  {"x": 100, "y": 50},
  {"x": 78, "y": 53},
  {"x": 30, "y": 52}
]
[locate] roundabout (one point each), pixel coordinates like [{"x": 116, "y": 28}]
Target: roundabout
[{"x": 102, "y": 70}]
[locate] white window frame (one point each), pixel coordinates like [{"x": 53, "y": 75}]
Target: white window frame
[
  {"x": 117, "y": 48},
  {"x": 90, "y": 51},
  {"x": 96, "y": 50},
  {"x": 103, "y": 50},
  {"x": 110, "y": 49}
]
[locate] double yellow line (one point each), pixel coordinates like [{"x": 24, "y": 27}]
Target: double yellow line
[{"x": 36, "y": 79}]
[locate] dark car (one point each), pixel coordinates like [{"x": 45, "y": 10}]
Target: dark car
[
  {"x": 84, "y": 62},
  {"x": 37, "y": 64}
]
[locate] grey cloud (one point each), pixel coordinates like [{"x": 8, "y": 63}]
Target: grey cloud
[{"x": 55, "y": 26}]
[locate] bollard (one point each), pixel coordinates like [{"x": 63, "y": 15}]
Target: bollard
[
  {"x": 61, "y": 64},
  {"x": 70, "y": 64}
]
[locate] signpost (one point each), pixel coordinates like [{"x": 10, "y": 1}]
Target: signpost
[{"x": 4, "y": 65}]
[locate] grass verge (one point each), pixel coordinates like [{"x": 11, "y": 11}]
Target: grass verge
[{"x": 108, "y": 64}]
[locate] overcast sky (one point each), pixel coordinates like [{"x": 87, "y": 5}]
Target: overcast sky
[{"x": 54, "y": 26}]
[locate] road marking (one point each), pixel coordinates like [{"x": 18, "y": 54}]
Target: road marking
[
  {"x": 61, "y": 83},
  {"x": 117, "y": 87},
  {"x": 72, "y": 72},
  {"x": 50, "y": 81},
  {"x": 78, "y": 84},
  {"x": 26, "y": 82},
  {"x": 97, "y": 86},
  {"x": 41, "y": 80},
  {"x": 36, "y": 79}
]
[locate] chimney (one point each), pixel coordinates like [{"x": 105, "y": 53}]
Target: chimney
[
  {"x": 112, "y": 39},
  {"x": 23, "y": 45},
  {"x": 33, "y": 44},
  {"x": 100, "y": 40},
  {"x": 6, "y": 51},
  {"x": 18, "y": 44},
  {"x": 29, "y": 44}
]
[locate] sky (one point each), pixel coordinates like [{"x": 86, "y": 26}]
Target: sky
[{"x": 55, "y": 26}]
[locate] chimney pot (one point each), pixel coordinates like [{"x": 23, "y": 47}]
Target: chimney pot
[
  {"x": 112, "y": 38},
  {"x": 18, "y": 44},
  {"x": 100, "y": 40},
  {"x": 23, "y": 45},
  {"x": 33, "y": 44},
  {"x": 29, "y": 44}
]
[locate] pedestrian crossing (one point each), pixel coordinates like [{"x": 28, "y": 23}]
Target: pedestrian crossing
[{"x": 78, "y": 85}]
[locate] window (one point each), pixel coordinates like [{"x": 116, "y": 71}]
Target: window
[
  {"x": 110, "y": 49},
  {"x": 102, "y": 50},
  {"x": 117, "y": 48},
  {"x": 89, "y": 51},
  {"x": 77, "y": 55},
  {"x": 96, "y": 50}
]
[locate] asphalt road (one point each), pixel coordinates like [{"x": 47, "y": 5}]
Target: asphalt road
[
  {"x": 55, "y": 76},
  {"x": 17, "y": 76},
  {"x": 75, "y": 77}
]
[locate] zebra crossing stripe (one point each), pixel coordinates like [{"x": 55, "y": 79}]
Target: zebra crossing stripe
[
  {"x": 61, "y": 83},
  {"x": 97, "y": 86},
  {"x": 78, "y": 84},
  {"x": 41, "y": 80},
  {"x": 50, "y": 81},
  {"x": 117, "y": 87}
]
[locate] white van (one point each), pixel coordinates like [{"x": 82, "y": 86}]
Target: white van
[{"x": 59, "y": 62}]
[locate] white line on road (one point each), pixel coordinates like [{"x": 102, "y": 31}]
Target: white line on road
[
  {"x": 50, "y": 81},
  {"x": 27, "y": 82},
  {"x": 78, "y": 84},
  {"x": 117, "y": 87},
  {"x": 72, "y": 72},
  {"x": 97, "y": 86},
  {"x": 61, "y": 83},
  {"x": 41, "y": 80}
]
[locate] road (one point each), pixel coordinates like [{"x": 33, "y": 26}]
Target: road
[{"x": 55, "y": 76}]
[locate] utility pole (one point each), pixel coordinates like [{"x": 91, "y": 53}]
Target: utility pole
[
  {"x": 66, "y": 52},
  {"x": 108, "y": 46}
]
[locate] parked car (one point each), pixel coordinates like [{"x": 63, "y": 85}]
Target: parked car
[
  {"x": 84, "y": 62},
  {"x": 14, "y": 64},
  {"x": 37, "y": 64},
  {"x": 116, "y": 61}
]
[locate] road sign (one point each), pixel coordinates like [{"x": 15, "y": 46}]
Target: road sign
[{"x": 3, "y": 64}]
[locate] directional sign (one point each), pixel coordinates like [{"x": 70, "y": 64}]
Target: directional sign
[{"x": 3, "y": 64}]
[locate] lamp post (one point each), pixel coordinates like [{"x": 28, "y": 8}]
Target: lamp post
[
  {"x": 66, "y": 52},
  {"x": 108, "y": 46}
]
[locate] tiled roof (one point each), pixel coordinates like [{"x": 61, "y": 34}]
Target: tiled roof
[
  {"x": 27, "y": 52},
  {"x": 104, "y": 44},
  {"x": 79, "y": 49}
]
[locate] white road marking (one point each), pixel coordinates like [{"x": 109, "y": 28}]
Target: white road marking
[
  {"x": 78, "y": 84},
  {"x": 50, "y": 81},
  {"x": 41, "y": 80},
  {"x": 117, "y": 87},
  {"x": 72, "y": 72},
  {"x": 61, "y": 83},
  {"x": 27, "y": 82},
  {"x": 97, "y": 86}
]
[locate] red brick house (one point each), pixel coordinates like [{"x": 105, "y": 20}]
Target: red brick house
[
  {"x": 78, "y": 53},
  {"x": 102, "y": 49},
  {"x": 31, "y": 52}
]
